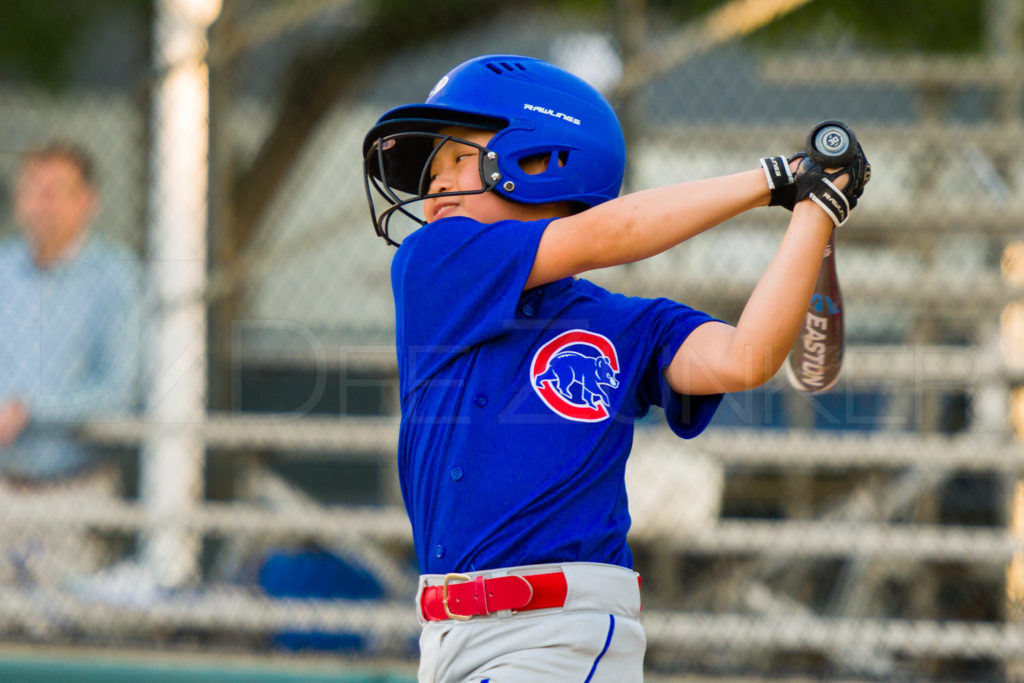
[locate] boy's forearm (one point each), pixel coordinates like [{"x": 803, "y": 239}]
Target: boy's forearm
[
  {"x": 641, "y": 224},
  {"x": 645, "y": 223},
  {"x": 775, "y": 310}
]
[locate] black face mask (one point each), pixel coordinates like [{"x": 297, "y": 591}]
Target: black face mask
[{"x": 397, "y": 169}]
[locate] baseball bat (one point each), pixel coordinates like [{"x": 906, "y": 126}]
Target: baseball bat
[
  {"x": 816, "y": 358},
  {"x": 817, "y": 355}
]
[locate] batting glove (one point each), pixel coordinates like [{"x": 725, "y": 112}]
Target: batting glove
[{"x": 810, "y": 181}]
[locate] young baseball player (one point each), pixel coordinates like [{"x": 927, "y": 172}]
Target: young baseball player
[{"x": 520, "y": 383}]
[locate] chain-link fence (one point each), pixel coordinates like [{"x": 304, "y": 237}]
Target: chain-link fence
[{"x": 249, "y": 502}]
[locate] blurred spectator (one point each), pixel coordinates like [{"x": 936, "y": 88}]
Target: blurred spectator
[{"x": 69, "y": 351}]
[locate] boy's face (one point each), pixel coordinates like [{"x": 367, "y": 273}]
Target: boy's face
[{"x": 456, "y": 168}]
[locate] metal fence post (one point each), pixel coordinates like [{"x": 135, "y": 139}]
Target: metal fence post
[{"x": 172, "y": 454}]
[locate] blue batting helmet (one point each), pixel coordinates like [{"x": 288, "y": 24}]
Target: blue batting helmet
[{"x": 534, "y": 107}]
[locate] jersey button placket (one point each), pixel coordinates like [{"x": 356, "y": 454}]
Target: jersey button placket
[
  {"x": 480, "y": 400},
  {"x": 455, "y": 473}
]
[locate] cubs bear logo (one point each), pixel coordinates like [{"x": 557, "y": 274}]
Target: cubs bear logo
[{"x": 573, "y": 372}]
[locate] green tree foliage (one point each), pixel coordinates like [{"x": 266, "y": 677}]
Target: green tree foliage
[
  {"x": 890, "y": 25},
  {"x": 39, "y": 39}
]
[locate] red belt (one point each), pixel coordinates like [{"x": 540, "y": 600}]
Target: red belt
[{"x": 460, "y": 597}]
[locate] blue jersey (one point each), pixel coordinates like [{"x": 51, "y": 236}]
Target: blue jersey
[{"x": 518, "y": 406}]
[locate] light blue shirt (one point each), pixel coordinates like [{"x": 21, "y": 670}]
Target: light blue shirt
[{"x": 70, "y": 342}]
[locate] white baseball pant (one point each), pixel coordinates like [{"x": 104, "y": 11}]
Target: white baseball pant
[{"x": 596, "y": 637}]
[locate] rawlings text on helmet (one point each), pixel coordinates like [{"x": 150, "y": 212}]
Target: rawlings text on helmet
[{"x": 551, "y": 112}]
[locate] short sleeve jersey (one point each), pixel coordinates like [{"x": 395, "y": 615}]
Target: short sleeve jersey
[{"x": 518, "y": 406}]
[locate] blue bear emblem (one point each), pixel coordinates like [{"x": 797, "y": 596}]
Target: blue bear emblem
[{"x": 591, "y": 374}]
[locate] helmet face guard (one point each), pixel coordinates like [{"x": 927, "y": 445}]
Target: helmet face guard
[
  {"x": 397, "y": 168},
  {"x": 534, "y": 108}
]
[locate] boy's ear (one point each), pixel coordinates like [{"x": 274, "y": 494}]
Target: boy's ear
[{"x": 535, "y": 164}]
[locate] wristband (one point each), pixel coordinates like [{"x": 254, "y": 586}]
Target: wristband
[
  {"x": 780, "y": 181},
  {"x": 832, "y": 201}
]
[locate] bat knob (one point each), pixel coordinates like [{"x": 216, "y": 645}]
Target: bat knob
[{"x": 831, "y": 144}]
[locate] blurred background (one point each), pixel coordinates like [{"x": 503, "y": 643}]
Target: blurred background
[{"x": 871, "y": 533}]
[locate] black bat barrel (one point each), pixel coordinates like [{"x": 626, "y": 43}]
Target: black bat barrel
[{"x": 831, "y": 144}]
